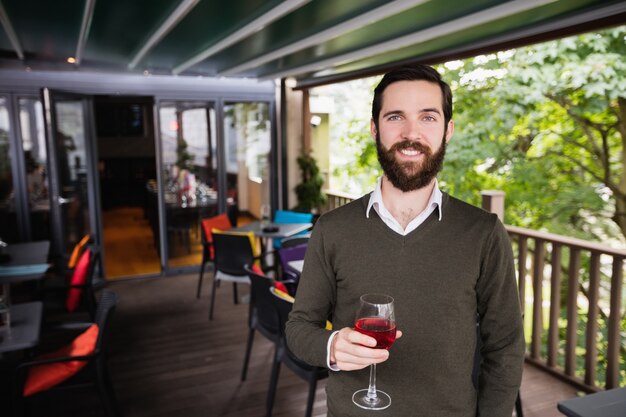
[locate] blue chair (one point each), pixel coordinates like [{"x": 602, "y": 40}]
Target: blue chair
[{"x": 286, "y": 216}]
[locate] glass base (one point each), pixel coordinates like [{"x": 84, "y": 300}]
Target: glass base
[{"x": 380, "y": 402}]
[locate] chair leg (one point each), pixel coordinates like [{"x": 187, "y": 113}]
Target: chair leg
[
  {"x": 200, "y": 278},
  {"x": 244, "y": 372},
  {"x": 105, "y": 390},
  {"x": 236, "y": 298},
  {"x": 213, "y": 289},
  {"x": 271, "y": 392},
  {"x": 519, "y": 412},
  {"x": 311, "y": 399},
  {"x": 91, "y": 303}
]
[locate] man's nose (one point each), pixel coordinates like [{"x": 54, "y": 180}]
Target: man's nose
[{"x": 411, "y": 130}]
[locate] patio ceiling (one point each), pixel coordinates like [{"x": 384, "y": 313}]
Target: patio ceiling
[{"x": 314, "y": 41}]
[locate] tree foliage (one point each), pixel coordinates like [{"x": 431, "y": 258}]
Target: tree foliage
[{"x": 544, "y": 123}]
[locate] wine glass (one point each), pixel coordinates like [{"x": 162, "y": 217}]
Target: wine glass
[
  {"x": 375, "y": 318},
  {"x": 266, "y": 215}
]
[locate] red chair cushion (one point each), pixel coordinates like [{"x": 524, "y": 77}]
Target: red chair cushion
[
  {"x": 43, "y": 377},
  {"x": 257, "y": 270},
  {"x": 79, "y": 277},
  {"x": 220, "y": 222},
  {"x": 281, "y": 287}
]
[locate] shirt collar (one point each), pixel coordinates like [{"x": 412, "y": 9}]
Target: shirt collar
[{"x": 376, "y": 198}]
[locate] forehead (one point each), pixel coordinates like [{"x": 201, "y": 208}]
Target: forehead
[{"x": 414, "y": 95}]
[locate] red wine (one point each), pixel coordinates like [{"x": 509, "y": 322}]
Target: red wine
[{"x": 383, "y": 330}]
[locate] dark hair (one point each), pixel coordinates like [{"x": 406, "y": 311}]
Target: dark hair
[{"x": 418, "y": 72}]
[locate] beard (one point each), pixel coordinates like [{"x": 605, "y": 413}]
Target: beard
[{"x": 410, "y": 176}]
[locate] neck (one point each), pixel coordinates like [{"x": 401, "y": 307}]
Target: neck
[{"x": 405, "y": 206}]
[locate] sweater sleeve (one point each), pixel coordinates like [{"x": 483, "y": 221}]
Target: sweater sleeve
[
  {"x": 501, "y": 328},
  {"x": 305, "y": 330}
]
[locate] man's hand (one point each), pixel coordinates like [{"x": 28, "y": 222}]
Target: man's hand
[{"x": 349, "y": 350}]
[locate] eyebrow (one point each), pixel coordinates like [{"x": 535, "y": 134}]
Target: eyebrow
[{"x": 400, "y": 112}]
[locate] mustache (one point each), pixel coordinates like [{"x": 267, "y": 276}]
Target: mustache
[{"x": 409, "y": 144}]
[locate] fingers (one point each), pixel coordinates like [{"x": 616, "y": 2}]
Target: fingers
[
  {"x": 398, "y": 334},
  {"x": 352, "y": 350}
]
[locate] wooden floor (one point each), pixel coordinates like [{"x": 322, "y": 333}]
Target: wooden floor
[
  {"x": 168, "y": 360},
  {"x": 130, "y": 249},
  {"x": 128, "y": 242}
]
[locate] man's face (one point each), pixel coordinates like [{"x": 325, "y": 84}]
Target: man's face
[{"x": 411, "y": 136}]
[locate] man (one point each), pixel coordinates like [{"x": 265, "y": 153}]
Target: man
[{"x": 443, "y": 261}]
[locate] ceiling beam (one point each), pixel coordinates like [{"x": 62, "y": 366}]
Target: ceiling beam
[
  {"x": 85, "y": 26},
  {"x": 591, "y": 20},
  {"x": 181, "y": 11},
  {"x": 8, "y": 28},
  {"x": 257, "y": 24},
  {"x": 419, "y": 37},
  {"x": 349, "y": 25}
]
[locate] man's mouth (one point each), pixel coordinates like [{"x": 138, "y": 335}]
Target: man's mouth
[{"x": 409, "y": 152}]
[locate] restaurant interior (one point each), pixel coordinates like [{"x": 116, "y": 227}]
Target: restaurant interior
[{"x": 148, "y": 154}]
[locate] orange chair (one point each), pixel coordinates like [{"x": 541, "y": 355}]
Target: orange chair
[{"x": 221, "y": 222}]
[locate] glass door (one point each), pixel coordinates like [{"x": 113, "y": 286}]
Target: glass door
[
  {"x": 72, "y": 185},
  {"x": 247, "y": 142},
  {"x": 189, "y": 183}
]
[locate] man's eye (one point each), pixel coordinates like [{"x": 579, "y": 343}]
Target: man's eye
[
  {"x": 429, "y": 118},
  {"x": 394, "y": 117}
]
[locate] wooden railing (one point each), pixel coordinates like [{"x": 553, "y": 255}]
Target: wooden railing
[
  {"x": 568, "y": 288},
  {"x": 336, "y": 199},
  {"x": 584, "y": 278}
]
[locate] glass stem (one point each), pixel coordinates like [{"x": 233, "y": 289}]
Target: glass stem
[{"x": 371, "y": 390}]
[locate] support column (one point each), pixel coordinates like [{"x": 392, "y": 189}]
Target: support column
[
  {"x": 306, "y": 120},
  {"x": 493, "y": 202}
]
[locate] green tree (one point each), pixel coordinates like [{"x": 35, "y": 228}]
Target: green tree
[{"x": 546, "y": 124}]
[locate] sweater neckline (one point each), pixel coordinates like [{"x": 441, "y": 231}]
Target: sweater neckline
[{"x": 433, "y": 218}]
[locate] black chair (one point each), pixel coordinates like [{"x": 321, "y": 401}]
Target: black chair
[
  {"x": 309, "y": 373},
  {"x": 221, "y": 222},
  {"x": 65, "y": 293},
  {"x": 233, "y": 250},
  {"x": 263, "y": 316},
  {"x": 94, "y": 373}
]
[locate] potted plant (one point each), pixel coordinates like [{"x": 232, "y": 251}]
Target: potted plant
[{"x": 309, "y": 191}]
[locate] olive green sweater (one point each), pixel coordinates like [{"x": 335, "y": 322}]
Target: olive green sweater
[{"x": 440, "y": 275}]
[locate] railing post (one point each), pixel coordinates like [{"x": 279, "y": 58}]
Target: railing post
[
  {"x": 572, "y": 312},
  {"x": 538, "y": 262},
  {"x": 613, "y": 351},
  {"x": 493, "y": 202},
  {"x": 591, "y": 334},
  {"x": 555, "y": 305}
]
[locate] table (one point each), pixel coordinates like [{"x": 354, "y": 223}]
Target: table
[
  {"x": 33, "y": 256},
  {"x": 25, "y": 327},
  {"x": 26, "y": 262},
  {"x": 284, "y": 229},
  {"x": 611, "y": 403}
]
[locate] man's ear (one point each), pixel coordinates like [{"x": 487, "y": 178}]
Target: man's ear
[
  {"x": 373, "y": 128},
  {"x": 450, "y": 130}
]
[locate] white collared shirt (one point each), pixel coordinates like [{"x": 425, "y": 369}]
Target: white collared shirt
[{"x": 376, "y": 201}]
